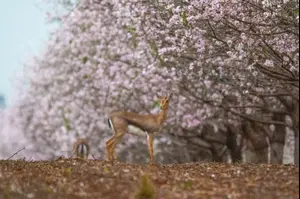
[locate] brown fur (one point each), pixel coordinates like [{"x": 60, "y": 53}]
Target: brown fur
[{"x": 150, "y": 124}]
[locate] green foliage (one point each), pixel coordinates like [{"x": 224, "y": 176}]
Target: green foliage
[
  {"x": 155, "y": 104},
  {"x": 135, "y": 42},
  {"x": 85, "y": 76},
  {"x": 84, "y": 60},
  {"x": 132, "y": 31},
  {"x": 66, "y": 122},
  {"x": 106, "y": 170},
  {"x": 154, "y": 51},
  {"x": 146, "y": 189},
  {"x": 187, "y": 184},
  {"x": 6, "y": 192},
  {"x": 184, "y": 19},
  {"x": 48, "y": 189},
  {"x": 68, "y": 171}
]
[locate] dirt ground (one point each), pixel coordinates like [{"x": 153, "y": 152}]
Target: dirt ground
[{"x": 73, "y": 178}]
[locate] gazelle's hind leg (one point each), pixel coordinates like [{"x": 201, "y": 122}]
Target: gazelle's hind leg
[
  {"x": 150, "y": 138},
  {"x": 116, "y": 141},
  {"x": 109, "y": 143}
]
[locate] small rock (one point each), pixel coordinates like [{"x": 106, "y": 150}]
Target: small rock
[{"x": 30, "y": 195}]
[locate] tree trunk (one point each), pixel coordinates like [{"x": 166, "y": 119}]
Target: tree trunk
[
  {"x": 233, "y": 145},
  {"x": 217, "y": 141},
  {"x": 261, "y": 155},
  {"x": 277, "y": 141},
  {"x": 254, "y": 132},
  {"x": 296, "y": 148},
  {"x": 277, "y": 152},
  {"x": 218, "y": 152},
  {"x": 293, "y": 108},
  {"x": 296, "y": 133}
]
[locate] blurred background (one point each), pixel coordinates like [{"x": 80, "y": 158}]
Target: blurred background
[
  {"x": 66, "y": 64},
  {"x": 24, "y": 33}
]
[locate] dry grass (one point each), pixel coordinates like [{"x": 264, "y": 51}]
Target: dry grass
[
  {"x": 66, "y": 178},
  {"x": 146, "y": 189}
]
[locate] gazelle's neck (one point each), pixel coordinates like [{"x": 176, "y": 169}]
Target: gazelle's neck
[{"x": 162, "y": 116}]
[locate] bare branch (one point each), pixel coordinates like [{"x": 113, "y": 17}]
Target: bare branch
[{"x": 15, "y": 153}]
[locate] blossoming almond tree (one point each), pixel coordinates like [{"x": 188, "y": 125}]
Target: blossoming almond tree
[
  {"x": 234, "y": 61},
  {"x": 242, "y": 52}
]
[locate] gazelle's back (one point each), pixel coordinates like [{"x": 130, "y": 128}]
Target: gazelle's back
[{"x": 147, "y": 123}]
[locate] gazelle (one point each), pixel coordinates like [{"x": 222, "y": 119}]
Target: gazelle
[
  {"x": 81, "y": 148},
  {"x": 150, "y": 124}
]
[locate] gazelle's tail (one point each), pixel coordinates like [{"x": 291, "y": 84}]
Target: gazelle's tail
[{"x": 109, "y": 123}]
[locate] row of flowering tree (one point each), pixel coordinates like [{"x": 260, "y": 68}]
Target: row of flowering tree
[{"x": 232, "y": 66}]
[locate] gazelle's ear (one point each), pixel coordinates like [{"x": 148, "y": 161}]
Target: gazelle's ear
[
  {"x": 170, "y": 95},
  {"x": 158, "y": 96}
]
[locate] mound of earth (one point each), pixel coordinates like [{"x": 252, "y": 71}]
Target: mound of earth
[{"x": 73, "y": 178}]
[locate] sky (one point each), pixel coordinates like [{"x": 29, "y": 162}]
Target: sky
[{"x": 23, "y": 33}]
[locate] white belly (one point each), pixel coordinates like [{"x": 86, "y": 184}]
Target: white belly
[{"x": 136, "y": 131}]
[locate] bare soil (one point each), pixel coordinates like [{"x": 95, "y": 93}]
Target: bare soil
[{"x": 73, "y": 178}]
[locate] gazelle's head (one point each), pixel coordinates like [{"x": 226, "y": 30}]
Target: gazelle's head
[{"x": 164, "y": 101}]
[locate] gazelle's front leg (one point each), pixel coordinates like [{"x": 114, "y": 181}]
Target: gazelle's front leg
[
  {"x": 150, "y": 138},
  {"x": 109, "y": 143},
  {"x": 116, "y": 141}
]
